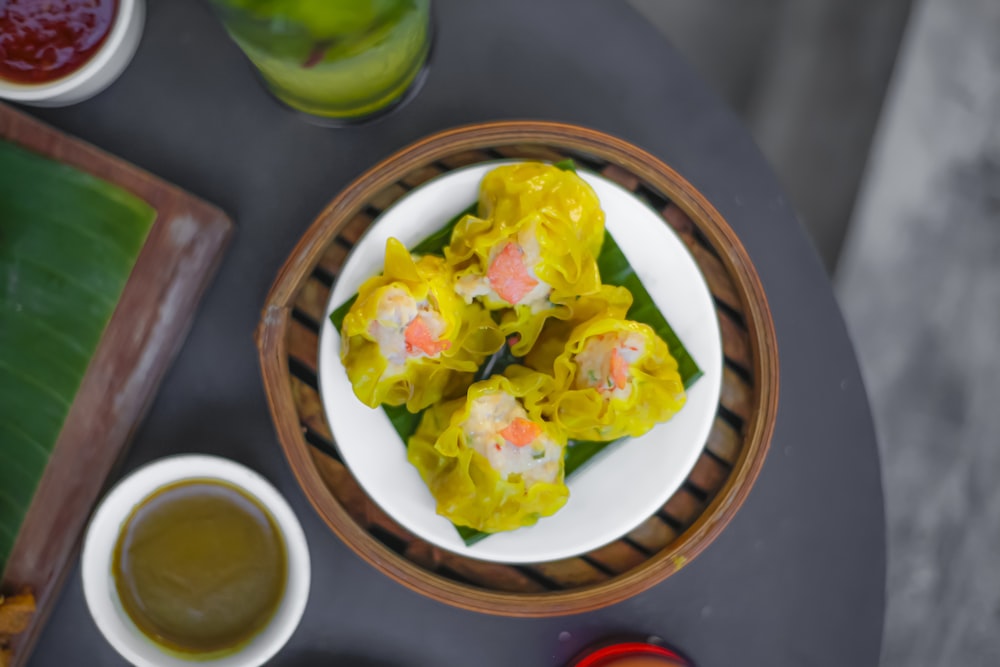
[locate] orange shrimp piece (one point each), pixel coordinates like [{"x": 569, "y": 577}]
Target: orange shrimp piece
[
  {"x": 508, "y": 276},
  {"x": 418, "y": 338},
  {"x": 521, "y": 432},
  {"x": 619, "y": 369}
]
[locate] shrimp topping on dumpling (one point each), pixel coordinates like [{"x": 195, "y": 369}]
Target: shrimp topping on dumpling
[
  {"x": 529, "y": 263},
  {"x": 510, "y": 276},
  {"x": 615, "y": 377},
  {"x": 405, "y": 328},
  {"x": 606, "y": 361},
  {"x": 491, "y": 460},
  {"x": 409, "y": 339},
  {"x": 499, "y": 429}
]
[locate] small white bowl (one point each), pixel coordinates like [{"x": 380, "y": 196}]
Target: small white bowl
[
  {"x": 97, "y": 73},
  {"x": 107, "y": 523}
]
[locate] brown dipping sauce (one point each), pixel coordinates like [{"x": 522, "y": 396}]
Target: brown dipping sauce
[
  {"x": 200, "y": 567},
  {"x": 45, "y": 40}
]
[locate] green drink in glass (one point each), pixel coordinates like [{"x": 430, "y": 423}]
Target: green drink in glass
[{"x": 339, "y": 60}]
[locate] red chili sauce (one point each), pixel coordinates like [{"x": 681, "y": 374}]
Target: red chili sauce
[{"x": 44, "y": 40}]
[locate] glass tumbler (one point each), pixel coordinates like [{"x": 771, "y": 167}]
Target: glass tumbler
[{"x": 341, "y": 61}]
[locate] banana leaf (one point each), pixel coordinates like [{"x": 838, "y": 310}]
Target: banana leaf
[
  {"x": 68, "y": 242},
  {"x": 615, "y": 270}
]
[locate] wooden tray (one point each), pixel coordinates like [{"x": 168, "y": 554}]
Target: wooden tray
[
  {"x": 157, "y": 306},
  {"x": 667, "y": 540}
]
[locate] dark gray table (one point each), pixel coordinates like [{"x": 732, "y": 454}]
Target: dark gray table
[{"x": 797, "y": 578}]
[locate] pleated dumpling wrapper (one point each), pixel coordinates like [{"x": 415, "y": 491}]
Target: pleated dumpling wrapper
[
  {"x": 510, "y": 192},
  {"x": 615, "y": 378},
  {"x": 531, "y": 252},
  {"x": 408, "y": 338},
  {"x": 608, "y": 301},
  {"x": 491, "y": 461}
]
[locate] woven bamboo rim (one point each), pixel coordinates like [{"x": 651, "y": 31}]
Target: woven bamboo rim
[{"x": 709, "y": 498}]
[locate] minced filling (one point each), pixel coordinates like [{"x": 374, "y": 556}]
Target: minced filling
[
  {"x": 405, "y": 328},
  {"x": 605, "y": 363},
  {"x": 493, "y": 414}
]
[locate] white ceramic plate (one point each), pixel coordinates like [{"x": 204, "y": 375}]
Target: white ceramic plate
[{"x": 609, "y": 496}]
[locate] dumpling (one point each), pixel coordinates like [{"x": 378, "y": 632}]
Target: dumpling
[
  {"x": 491, "y": 461},
  {"x": 615, "y": 378},
  {"x": 531, "y": 267},
  {"x": 408, "y": 338},
  {"x": 510, "y": 192}
]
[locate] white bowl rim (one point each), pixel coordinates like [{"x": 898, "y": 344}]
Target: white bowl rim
[
  {"x": 32, "y": 92},
  {"x": 115, "y": 508}
]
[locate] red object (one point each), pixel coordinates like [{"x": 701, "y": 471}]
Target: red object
[
  {"x": 45, "y": 40},
  {"x": 609, "y": 655},
  {"x": 508, "y": 277},
  {"x": 521, "y": 432},
  {"x": 619, "y": 369},
  {"x": 418, "y": 337}
]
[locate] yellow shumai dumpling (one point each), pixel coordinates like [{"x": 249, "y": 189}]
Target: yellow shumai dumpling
[
  {"x": 408, "y": 338},
  {"x": 615, "y": 378},
  {"x": 529, "y": 269},
  {"x": 510, "y": 192},
  {"x": 491, "y": 461}
]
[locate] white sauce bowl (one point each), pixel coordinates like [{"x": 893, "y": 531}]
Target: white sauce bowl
[
  {"x": 96, "y": 74},
  {"x": 109, "y": 520}
]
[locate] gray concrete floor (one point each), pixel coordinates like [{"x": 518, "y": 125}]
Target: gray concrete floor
[
  {"x": 920, "y": 286},
  {"x": 808, "y": 76},
  {"x": 919, "y": 279}
]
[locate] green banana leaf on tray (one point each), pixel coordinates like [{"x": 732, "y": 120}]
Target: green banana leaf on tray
[
  {"x": 615, "y": 270},
  {"x": 68, "y": 242}
]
